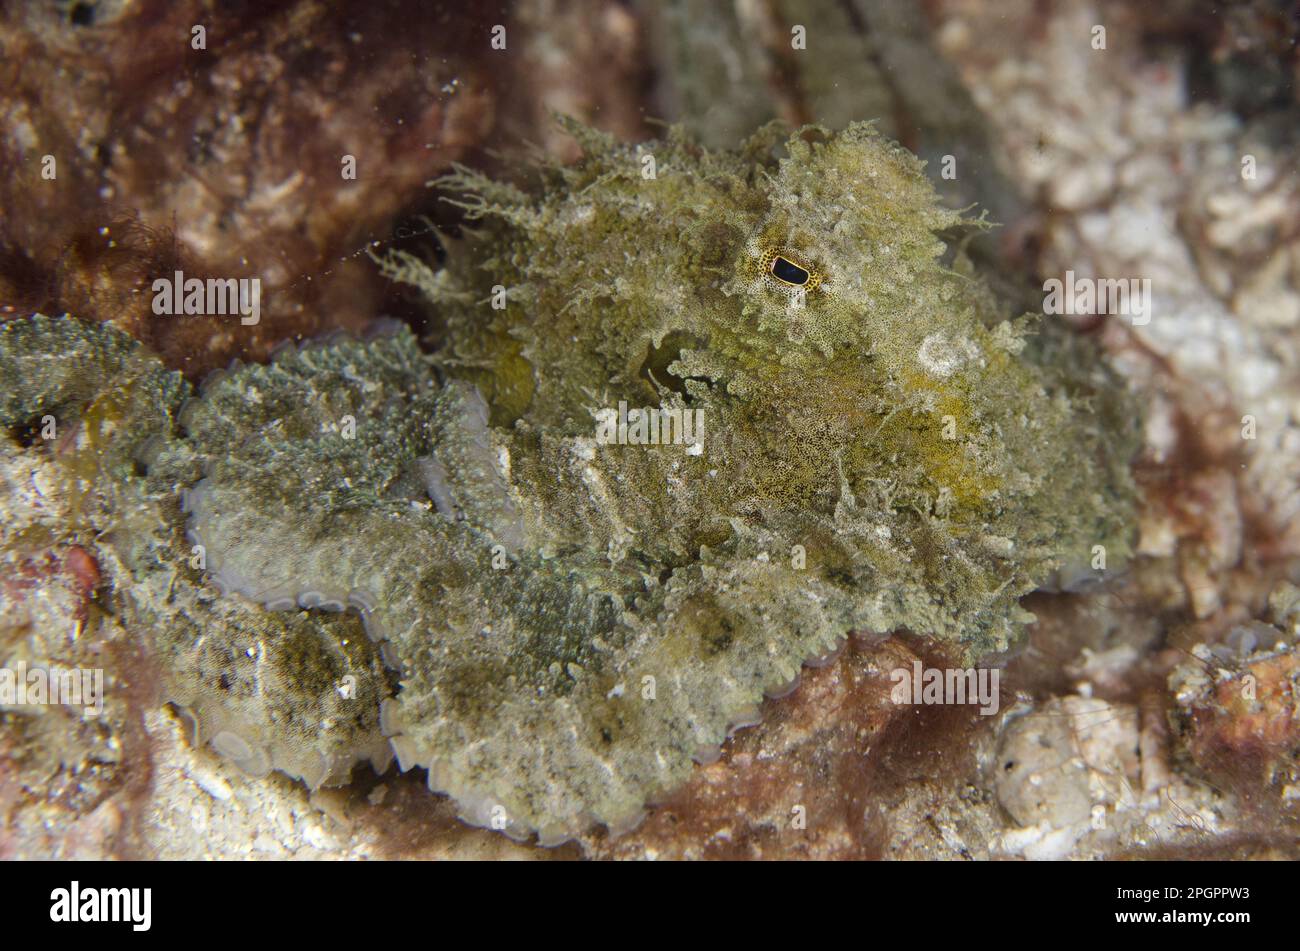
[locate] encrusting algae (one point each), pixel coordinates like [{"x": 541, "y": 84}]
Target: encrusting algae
[{"x": 560, "y": 622}]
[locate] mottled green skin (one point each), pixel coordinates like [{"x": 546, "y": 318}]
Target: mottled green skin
[
  {"x": 932, "y": 466},
  {"x": 571, "y": 623},
  {"x": 652, "y": 291}
]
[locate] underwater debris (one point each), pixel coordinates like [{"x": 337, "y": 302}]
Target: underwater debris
[
  {"x": 570, "y": 624},
  {"x": 1235, "y": 706}
]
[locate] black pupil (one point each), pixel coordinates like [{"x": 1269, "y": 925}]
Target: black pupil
[{"x": 788, "y": 271}]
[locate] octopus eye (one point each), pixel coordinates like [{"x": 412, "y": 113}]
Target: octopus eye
[{"x": 787, "y": 272}]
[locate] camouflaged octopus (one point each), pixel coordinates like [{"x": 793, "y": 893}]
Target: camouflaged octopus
[{"x": 566, "y": 622}]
